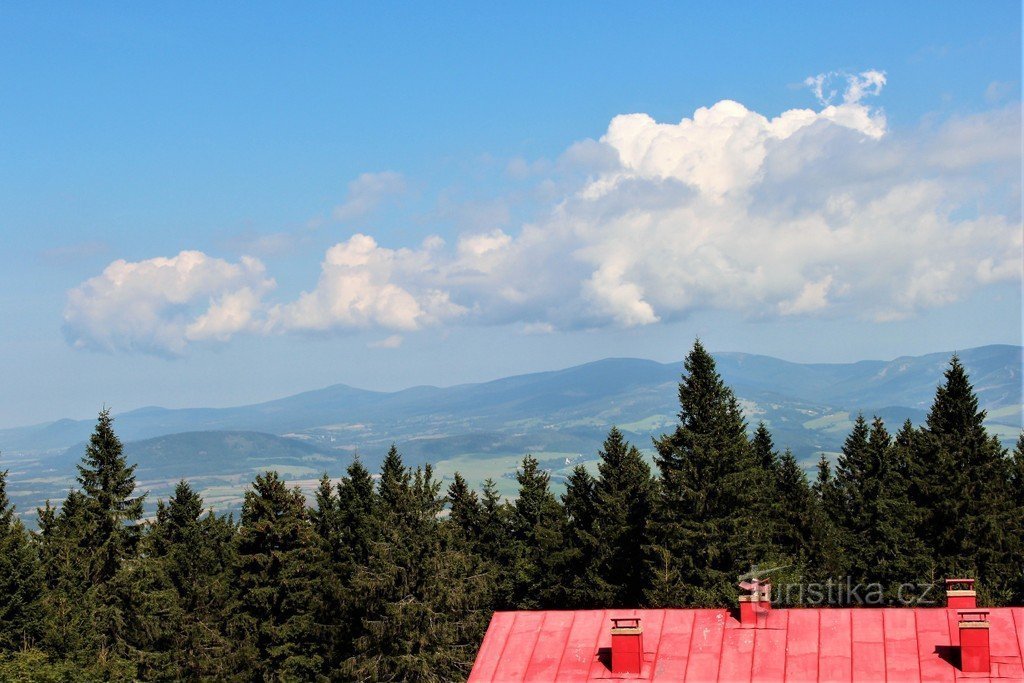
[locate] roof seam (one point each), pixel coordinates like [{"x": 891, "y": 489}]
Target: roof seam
[
  {"x": 540, "y": 629},
  {"x": 689, "y": 645},
  {"x": 885, "y": 648},
  {"x": 565, "y": 649},
  {"x": 511, "y": 628}
]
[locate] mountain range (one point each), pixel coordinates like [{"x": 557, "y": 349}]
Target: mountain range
[{"x": 484, "y": 429}]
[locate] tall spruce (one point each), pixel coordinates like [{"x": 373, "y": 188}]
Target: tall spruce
[
  {"x": 579, "y": 576},
  {"x": 537, "y": 536},
  {"x": 276, "y": 579},
  {"x": 183, "y": 599},
  {"x": 706, "y": 525},
  {"x": 21, "y": 580},
  {"x": 962, "y": 480},
  {"x": 625, "y": 494},
  {"x": 421, "y": 593},
  {"x": 107, "y": 483}
]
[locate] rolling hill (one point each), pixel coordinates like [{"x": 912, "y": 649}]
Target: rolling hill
[{"x": 483, "y": 429}]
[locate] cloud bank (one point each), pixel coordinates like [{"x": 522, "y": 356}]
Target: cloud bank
[{"x": 814, "y": 212}]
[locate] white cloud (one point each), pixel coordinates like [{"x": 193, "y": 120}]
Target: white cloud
[
  {"x": 361, "y": 286},
  {"x": 160, "y": 304},
  {"x": 367, "y": 192},
  {"x": 814, "y": 212}
]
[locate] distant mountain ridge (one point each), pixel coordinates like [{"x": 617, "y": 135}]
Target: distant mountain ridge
[{"x": 563, "y": 413}]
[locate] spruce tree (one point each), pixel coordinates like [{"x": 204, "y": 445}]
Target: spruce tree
[
  {"x": 421, "y": 593},
  {"x": 962, "y": 480},
  {"x": 277, "y": 578},
  {"x": 183, "y": 598},
  {"x": 578, "y": 562},
  {"x": 107, "y": 483},
  {"x": 21, "y": 581},
  {"x": 537, "y": 535},
  {"x": 466, "y": 513},
  {"x": 707, "y": 521},
  {"x": 625, "y": 494},
  {"x": 795, "y": 526}
]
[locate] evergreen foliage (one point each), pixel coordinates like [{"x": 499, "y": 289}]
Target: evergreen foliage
[
  {"x": 706, "y": 521},
  {"x": 392, "y": 580}
]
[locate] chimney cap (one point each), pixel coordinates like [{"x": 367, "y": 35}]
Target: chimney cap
[
  {"x": 954, "y": 582},
  {"x": 973, "y": 616},
  {"x": 625, "y": 622}
]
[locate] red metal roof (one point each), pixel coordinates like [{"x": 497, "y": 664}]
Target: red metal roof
[{"x": 897, "y": 644}]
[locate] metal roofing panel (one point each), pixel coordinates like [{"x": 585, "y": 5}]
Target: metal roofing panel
[
  {"x": 706, "y": 645},
  {"x": 581, "y": 645},
  {"x": 901, "y": 660},
  {"x": 868, "y": 646},
  {"x": 835, "y": 657},
  {"x": 770, "y": 649},
  {"x": 673, "y": 650},
  {"x": 489, "y": 656},
  {"x": 896, "y": 644},
  {"x": 738, "y": 663},
  {"x": 933, "y": 644},
  {"x": 547, "y": 654}
]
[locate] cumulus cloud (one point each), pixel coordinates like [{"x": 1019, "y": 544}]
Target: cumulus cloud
[
  {"x": 161, "y": 304},
  {"x": 363, "y": 285},
  {"x": 813, "y": 212}
]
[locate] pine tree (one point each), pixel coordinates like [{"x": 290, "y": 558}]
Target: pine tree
[
  {"x": 495, "y": 546},
  {"x": 962, "y": 480},
  {"x": 86, "y": 550},
  {"x": 578, "y": 562},
  {"x": 625, "y": 497},
  {"x": 107, "y": 483},
  {"x": 537, "y": 535},
  {"x": 277, "y": 577},
  {"x": 826, "y": 559},
  {"x": 706, "y": 521},
  {"x": 421, "y": 593},
  {"x": 466, "y": 513},
  {"x": 21, "y": 581},
  {"x": 184, "y": 588},
  {"x": 795, "y": 526}
]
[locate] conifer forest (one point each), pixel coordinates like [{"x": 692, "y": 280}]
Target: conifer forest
[{"x": 391, "y": 576}]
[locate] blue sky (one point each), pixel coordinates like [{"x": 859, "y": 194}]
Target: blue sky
[{"x": 213, "y": 206}]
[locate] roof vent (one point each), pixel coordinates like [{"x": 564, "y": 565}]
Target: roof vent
[
  {"x": 974, "y": 645},
  {"x": 960, "y": 594},
  {"x": 627, "y": 645},
  {"x": 756, "y": 602}
]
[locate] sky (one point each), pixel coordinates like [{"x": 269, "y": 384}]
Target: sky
[{"x": 217, "y": 205}]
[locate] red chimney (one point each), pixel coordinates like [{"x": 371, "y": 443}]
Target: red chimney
[
  {"x": 755, "y": 605},
  {"x": 960, "y": 594},
  {"x": 627, "y": 645},
  {"x": 974, "y": 645}
]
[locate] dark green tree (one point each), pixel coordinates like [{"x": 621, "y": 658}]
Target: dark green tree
[
  {"x": 625, "y": 494},
  {"x": 537, "y": 526},
  {"x": 705, "y": 525},
  {"x": 466, "y": 513},
  {"x": 277, "y": 576},
  {"x": 108, "y": 483},
  {"x": 21, "y": 580},
  {"x": 961, "y": 479},
  {"x": 578, "y": 561},
  {"x": 421, "y": 592}
]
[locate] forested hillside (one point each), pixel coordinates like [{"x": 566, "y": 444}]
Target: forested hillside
[
  {"x": 390, "y": 577},
  {"x": 483, "y": 430}
]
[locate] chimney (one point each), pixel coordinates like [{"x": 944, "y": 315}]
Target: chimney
[
  {"x": 974, "y": 645},
  {"x": 960, "y": 594},
  {"x": 627, "y": 645},
  {"x": 756, "y": 603}
]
